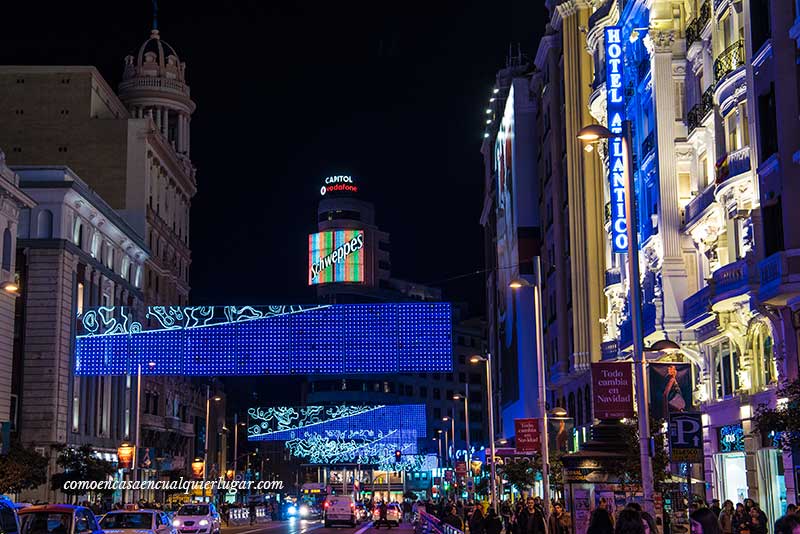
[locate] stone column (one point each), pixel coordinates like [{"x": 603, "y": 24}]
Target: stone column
[
  {"x": 165, "y": 122},
  {"x": 181, "y": 134},
  {"x": 665, "y": 68}
]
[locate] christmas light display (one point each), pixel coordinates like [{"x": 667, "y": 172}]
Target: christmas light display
[
  {"x": 343, "y": 434},
  {"x": 255, "y": 340}
]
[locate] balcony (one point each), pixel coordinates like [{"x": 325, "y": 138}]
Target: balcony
[
  {"x": 649, "y": 144},
  {"x": 613, "y": 276},
  {"x": 733, "y": 164},
  {"x": 695, "y": 28},
  {"x": 729, "y": 60},
  {"x": 700, "y": 110},
  {"x": 779, "y": 277},
  {"x": 152, "y": 82},
  {"x": 698, "y": 205},
  {"x": 731, "y": 280},
  {"x": 697, "y": 306}
]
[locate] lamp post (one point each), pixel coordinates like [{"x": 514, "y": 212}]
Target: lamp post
[
  {"x": 465, "y": 397},
  {"x": 216, "y": 398},
  {"x": 594, "y": 133},
  {"x": 438, "y": 441},
  {"x": 137, "y": 429},
  {"x": 452, "y": 420},
  {"x": 487, "y": 360},
  {"x": 236, "y": 425},
  {"x": 540, "y": 375}
]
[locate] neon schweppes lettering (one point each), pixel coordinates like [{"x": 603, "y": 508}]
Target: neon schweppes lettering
[
  {"x": 615, "y": 101},
  {"x": 341, "y": 252}
]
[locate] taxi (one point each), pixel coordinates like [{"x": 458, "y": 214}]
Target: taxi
[{"x": 133, "y": 520}]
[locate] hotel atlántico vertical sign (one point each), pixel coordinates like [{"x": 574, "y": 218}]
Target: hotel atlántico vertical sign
[{"x": 616, "y": 111}]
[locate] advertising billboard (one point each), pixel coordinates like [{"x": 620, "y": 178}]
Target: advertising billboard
[
  {"x": 615, "y": 102},
  {"x": 526, "y": 434},
  {"x": 612, "y": 390},
  {"x": 336, "y": 256},
  {"x": 670, "y": 389}
]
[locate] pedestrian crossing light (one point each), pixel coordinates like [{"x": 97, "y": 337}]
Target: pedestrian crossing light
[{"x": 397, "y": 455}]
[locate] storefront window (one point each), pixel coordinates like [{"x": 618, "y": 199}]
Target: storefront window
[{"x": 764, "y": 356}]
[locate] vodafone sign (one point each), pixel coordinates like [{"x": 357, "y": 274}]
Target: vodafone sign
[{"x": 338, "y": 184}]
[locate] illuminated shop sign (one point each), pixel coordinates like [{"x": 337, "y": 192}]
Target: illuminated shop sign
[
  {"x": 259, "y": 340},
  {"x": 336, "y": 256},
  {"x": 731, "y": 438},
  {"x": 616, "y": 113},
  {"x": 338, "y": 184}
]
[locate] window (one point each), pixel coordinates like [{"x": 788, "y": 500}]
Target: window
[
  {"x": 95, "y": 250},
  {"x": 437, "y": 394},
  {"x": 764, "y": 356},
  {"x": 437, "y": 413},
  {"x": 79, "y": 297},
  {"x": 7, "y": 249},
  {"x": 702, "y": 171},
  {"x": 423, "y": 392},
  {"x": 77, "y": 233},
  {"x": 725, "y": 362}
]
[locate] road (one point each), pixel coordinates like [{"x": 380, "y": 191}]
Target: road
[{"x": 295, "y": 526}]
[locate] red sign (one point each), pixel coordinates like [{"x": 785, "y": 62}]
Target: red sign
[
  {"x": 526, "y": 435},
  {"x": 461, "y": 468},
  {"x": 612, "y": 390}
]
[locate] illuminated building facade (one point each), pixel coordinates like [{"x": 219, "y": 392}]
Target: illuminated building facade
[
  {"x": 74, "y": 251},
  {"x": 132, "y": 147},
  {"x": 511, "y": 222},
  {"x": 12, "y": 202},
  {"x": 704, "y": 85}
]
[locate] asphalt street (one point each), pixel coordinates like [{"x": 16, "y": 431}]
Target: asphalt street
[{"x": 295, "y": 526}]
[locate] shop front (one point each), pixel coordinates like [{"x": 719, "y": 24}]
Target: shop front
[{"x": 730, "y": 464}]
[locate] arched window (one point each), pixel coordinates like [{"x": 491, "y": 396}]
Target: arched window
[
  {"x": 763, "y": 355},
  {"x": 587, "y": 401},
  {"x": 77, "y": 233},
  {"x": 95, "y": 250},
  {"x": 125, "y": 268},
  {"x": 44, "y": 224},
  {"x": 7, "y": 249},
  {"x": 571, "y": 405},
  {"x": 579, "y": 409}
]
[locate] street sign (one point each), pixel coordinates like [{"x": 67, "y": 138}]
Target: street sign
[
  {"x": 461, "y": 468},
  {"x": 526, "y": 434},
  {"x": 686, "y": 437},
  {"x": 470, "y": 484}
]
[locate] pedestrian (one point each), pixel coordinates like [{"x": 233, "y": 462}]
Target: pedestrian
[
  {"x": 251, "y": 510},
  {"x": 629, "y": 521},
  {"x": 788, "y": 524},
  {"x": 726, "y": 517},
  {"x": 741, "y": 520},
  {"x": 531, "y": 519},
  {"x": 703, "y": 521},
  {"x": 492, "y": 524},
  {"x": 453, "y": 518},
  {"x": 476, "y": 521},
  {"x": 715, "y": 507},
  {"x": 649, "y": 524},
  {"x": 758, "y": 520},
  {"x": 560, "y": 521},
  {"x": 601, "y": 521}
]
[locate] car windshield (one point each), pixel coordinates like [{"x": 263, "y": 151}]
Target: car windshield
[
  {"x": 193, "y": 509},
  {"x": 46, "y": 523},
  {"x": 138, "y": 520}
]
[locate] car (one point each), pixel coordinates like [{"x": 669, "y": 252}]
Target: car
[
  {"x": 393, "y": 515},
  {"x": 309, "y": 511},
  {"x": 141, "y": 521},
  {"x": 58, "y": 519},
  {"x": 9, "y": 521},
  {"x": 362, "y": 514},
  {"x": 197, "y": 518},
  {"x": 339, "y": 509}
]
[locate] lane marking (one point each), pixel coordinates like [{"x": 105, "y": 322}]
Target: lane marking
[{"x": 363, "y": 529}]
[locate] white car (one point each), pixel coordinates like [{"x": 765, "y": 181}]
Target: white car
[
  {"x": 339, "y": 509},
  {"x": 138, "y": 521},
  {"x": 199, "y": 518},
  {"x": 393, "y": 516}
]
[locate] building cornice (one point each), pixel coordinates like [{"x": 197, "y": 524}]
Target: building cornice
[{"x": 545, "y": 44}]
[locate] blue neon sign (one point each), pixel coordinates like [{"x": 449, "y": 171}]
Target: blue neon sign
[
  {"x": 258, "y": 340},
  {"x": 616, "y": 112}
]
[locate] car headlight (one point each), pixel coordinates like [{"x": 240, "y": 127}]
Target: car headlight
[
  {"x": 304, "y": 510},
  {"x": 292, "y": 510},
  {"x": 203, "y": 522},
  {"x": 176, "y": 523}
]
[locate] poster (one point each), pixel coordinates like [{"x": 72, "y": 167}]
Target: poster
[
  {"x": 526, "y": 435},
  {"x": 612, "y": 390},
  {"x": 670, "y": 388},
  {"x": 560, "y": 434},
  {"x": 583, "y": 511}
]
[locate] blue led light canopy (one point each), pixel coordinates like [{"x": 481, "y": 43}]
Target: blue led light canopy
[{"x": 257, "y": 340}]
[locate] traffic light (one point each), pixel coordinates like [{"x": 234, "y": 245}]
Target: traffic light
[{"x": 397, "y": 455}]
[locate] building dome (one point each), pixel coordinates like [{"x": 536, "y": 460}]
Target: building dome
[{"x": 156, "y": 58}]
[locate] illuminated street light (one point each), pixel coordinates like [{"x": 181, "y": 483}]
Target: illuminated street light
[
  {"x": 487, "y": 360},
  {"x": 495, "y": 90},
  {"x": 10, "y": 287},
  {"x": 540, "y": 377},
  {"x": 592, "y": 133}
]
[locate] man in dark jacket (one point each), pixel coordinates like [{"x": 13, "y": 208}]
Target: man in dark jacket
[
  {"x": 531, "y": 520},
  {"x": 559, "y": 521}
]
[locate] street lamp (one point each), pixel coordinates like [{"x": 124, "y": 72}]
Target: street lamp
[
  {"x": 465, "y": 398},
  {"x": 540, "y": 375},
  {"x": 10, "y": 287},
  {"x": 487, "y": 360},
  {"x": 438, "y": 441},
  {"x": 236, "y": 425},
  {"x": 209, "y": 398},
  {"x": 591, "y": 133},
  {"x": 452, "y": 420},
  {"x": 137, "y": 429}
]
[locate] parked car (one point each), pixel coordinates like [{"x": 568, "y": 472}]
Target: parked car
[
  {"x": 58, "y": 519},
  {"x": 199, "y": 518},
  {"x": 9, "y": 521},
  {"x": 339, "y": 509},
  {"x": 362, "y": 514},
  {"x": 141, "y": 521},
  {"x": 393, "y": 515}
]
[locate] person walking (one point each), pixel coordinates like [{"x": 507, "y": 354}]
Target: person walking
[
  {"x": 601, "y": 521},
  {"x": 559, "y": 521},
  {"x": 704, "y": 521},
  {"x": 476, "y": 521},
  {"x": 492, "y": 524},
  {"x": 726, "y": 517},
  {"x": 453, "y": 518},
  {"x": 531, "y": 519},
  {"x": 629, "y": 521}
]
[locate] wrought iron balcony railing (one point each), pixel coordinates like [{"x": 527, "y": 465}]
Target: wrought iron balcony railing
[
  {"x": 698, "y": 204},
  {"x": 730, "y": 59},
  {"x": 649, "y": 144},
  {"x": 701, "y": 110},
  {"x": 695, "y": 28}
]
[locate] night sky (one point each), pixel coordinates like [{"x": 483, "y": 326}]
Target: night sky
[{"x": 390, "y": 92}]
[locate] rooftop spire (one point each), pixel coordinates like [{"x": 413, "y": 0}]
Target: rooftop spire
[{"x": 155, "y": 14}]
